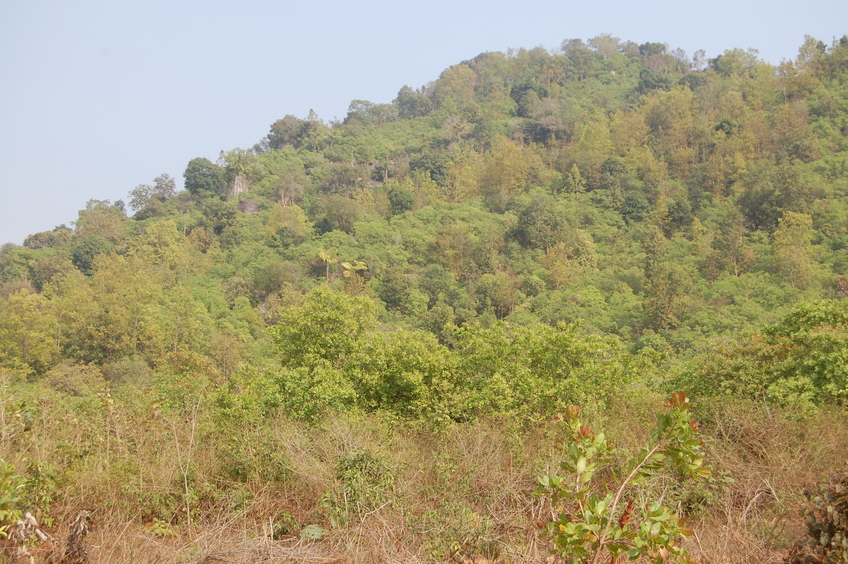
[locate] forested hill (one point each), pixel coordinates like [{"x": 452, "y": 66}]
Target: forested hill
[
  {"x": 617, "y": 193},
  {"x": 352, "y": 341}
]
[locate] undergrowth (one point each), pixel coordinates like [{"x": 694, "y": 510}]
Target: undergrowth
[{"x": 177, "y": 485}]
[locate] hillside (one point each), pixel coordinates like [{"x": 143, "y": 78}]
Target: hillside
[{"x": 595, "y": 226}]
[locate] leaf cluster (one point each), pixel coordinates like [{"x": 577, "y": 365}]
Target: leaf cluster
[
  {"x": 826, "y": 520},
  {"x": 11, "y": 485},
  {"x": 591, "y": 524}
]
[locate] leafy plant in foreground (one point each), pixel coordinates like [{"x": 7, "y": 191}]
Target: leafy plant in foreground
[
  {"x": 590, "y": 525},
  {"x": 826, "y": 519},
  {"x": 10, "y": 486}
]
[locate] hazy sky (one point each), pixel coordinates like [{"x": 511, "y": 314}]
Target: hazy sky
[{"x": 97, "y": 97}]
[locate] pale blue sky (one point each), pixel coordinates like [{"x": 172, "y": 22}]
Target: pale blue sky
[{"x": 97, "y": 97}]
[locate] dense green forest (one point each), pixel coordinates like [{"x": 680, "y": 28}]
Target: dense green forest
[{"x": 599, "y": 225}]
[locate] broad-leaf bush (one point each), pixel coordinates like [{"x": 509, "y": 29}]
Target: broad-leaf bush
[
  {"x": 592, "y": 522},
  {"x": 826, "y": 520},
  {"x": 802, "y": 361},
  {"x": 333, "y": 356},
  {"x": 10, "y": 487}
]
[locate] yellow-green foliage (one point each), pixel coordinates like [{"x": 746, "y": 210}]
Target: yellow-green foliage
[
  {"x": 801, "y": 362},
  {"x": 10, "y": 486}
]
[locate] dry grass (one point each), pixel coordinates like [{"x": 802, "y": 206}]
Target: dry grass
[
  {"x": 771, "y": 459},
  {"x": 162, "y": 489}
]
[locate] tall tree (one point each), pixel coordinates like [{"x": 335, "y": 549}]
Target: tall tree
[
  {"x": 326, "y": 330},
  {"x": 164, "y": 188},
  {"x": 793, "y": 248},
  {"x": 103, "y": 219},
  {"x": 666, "y": 284},
  {"x": 204, "y": 178},
  {"x": 576, "y": 186},
  {"x": 504, "y": 172},
  {"x": 27, "y": 337}
]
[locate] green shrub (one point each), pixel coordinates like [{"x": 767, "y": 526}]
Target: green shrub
[
  {"x": 801, "y": 362},
  {"x": 10, "y": 487},
  {"x": 826, "y": 518},
  {"x": 129, "y": 371},
  {"x": 39, "y": 489},
  {"x": 590, "y": 525},
  {"x": 367, "y": 481}
]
